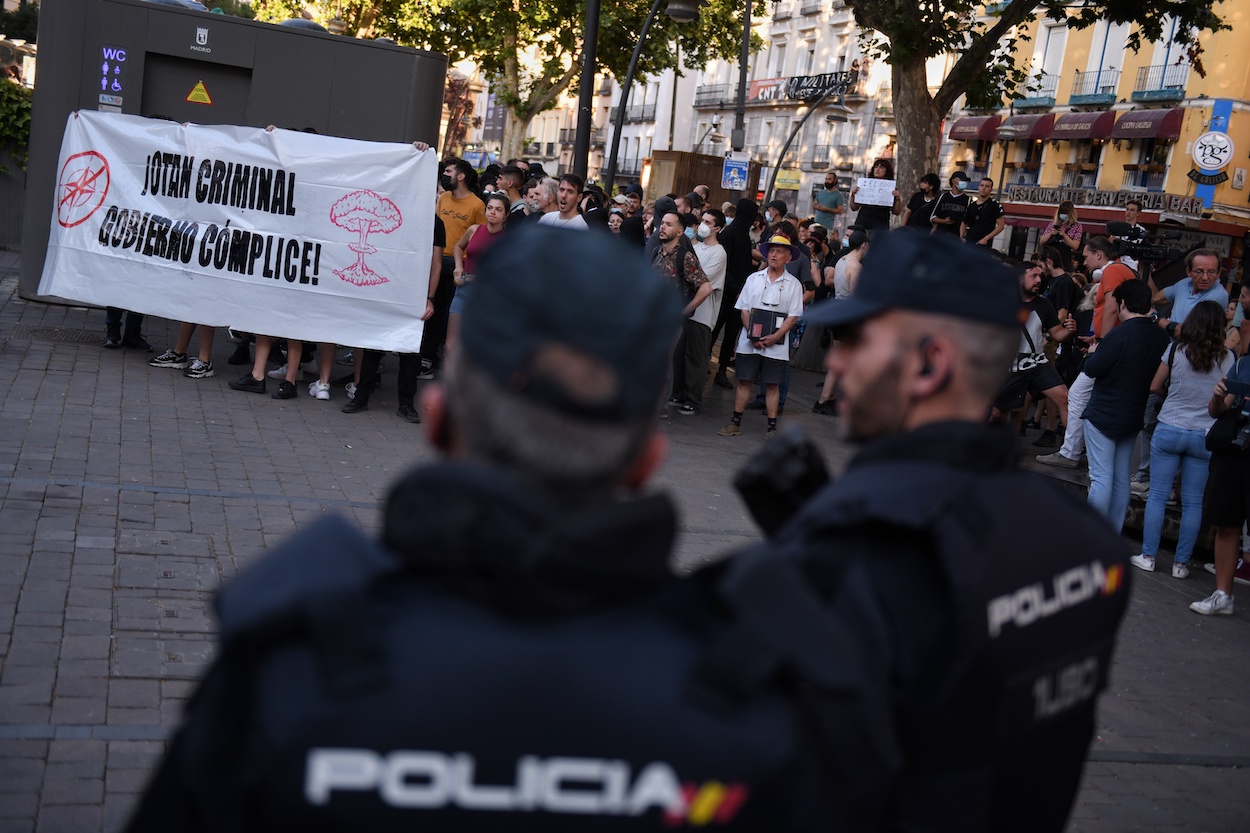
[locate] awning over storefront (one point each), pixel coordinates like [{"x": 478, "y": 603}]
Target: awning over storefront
[
  {"x": 1027, "y": 127},
  {"x": 1073, "y": 126},
  {"x": 1149, "y": 124},
  {"x": 975, "y": 128}
]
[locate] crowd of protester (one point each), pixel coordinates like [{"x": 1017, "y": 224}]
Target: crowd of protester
[{"x": 1099, "y": 371}]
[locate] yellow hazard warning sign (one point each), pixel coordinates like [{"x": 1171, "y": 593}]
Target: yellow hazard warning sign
[{"x": 199, "y": 95}]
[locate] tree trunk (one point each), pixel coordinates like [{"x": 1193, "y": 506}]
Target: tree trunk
[
  {"x": 919, "y": 125},
  {"x": 513, "y": 143}
]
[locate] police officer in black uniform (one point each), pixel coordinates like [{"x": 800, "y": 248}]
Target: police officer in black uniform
[
  {"x": 515, "y": 653},
  {"x": 998, "y": 635}
]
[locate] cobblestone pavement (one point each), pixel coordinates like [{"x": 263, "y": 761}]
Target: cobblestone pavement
[{"x": 128, "y": 494}]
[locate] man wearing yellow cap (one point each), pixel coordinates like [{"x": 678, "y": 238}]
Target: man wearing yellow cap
[{"x": 770, "y": 304}]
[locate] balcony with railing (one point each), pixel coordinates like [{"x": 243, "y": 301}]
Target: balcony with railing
[
  {"x": 1022, "y": 173},
  {"x": 1144, "y": 177},
  {"x": 811, "y": 7},
  {"x": 629, "y": 167},
  {"x": 1095, "y": 87},
  {"x": 783, "y": 12},
  {"x": 714, "y": 95},
  {"x": 976, "y": 169},
  {"x": 599, "y": 139},
  {"x": 568, "y": 135},
  {"x": 1079, "y": 175},
  {"x": 1163, "y": 82},
  {"x": 1040, "y": 91},
  {"x": 821, "y": 156}
]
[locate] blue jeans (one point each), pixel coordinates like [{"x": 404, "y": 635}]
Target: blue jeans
[
  {"x": 1110, "y": 469},
  {"x": 1174, "y": 448}
]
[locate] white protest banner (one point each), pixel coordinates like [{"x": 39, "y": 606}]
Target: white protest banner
[
  {"x": 287, "y": 234},
  {"x": 875, "y": 192}
]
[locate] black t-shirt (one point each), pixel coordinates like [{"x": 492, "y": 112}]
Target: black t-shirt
[
  {"x": 1041, "y": 319},
  {"x": 950, "y": 207},
  {"x": 440, "y": 233},
  {"x": 921, "y": 210},
  {"x": 1064, "y": 294},
  {"x": 873, "y": 217},
  {"x": 981, "y": 218}
]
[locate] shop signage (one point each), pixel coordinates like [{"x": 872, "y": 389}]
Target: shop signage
[{"x": 1096, "y": 198}]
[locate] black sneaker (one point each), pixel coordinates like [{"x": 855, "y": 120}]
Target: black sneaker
[
  {"x": 409, "y": 413},
  {"x": 286, "y": 390},
  {"x": 355, "y": 406},
  {"x": 136, "y": 342},
  {"x": 170, "y": 359},
  {"x": 199, "y": 370},
  {"x": 427, "y": 370},
  {"x": 112, "y": 341},
  {"x": 722, "y": 381},
  {"x": 249, "y": 385},
  {"x": 688, "y": 409},
  {"x": 241, "y": 355},
  {"x": 1048, "y": 440},
  {"x": 1031, "y": 423}
]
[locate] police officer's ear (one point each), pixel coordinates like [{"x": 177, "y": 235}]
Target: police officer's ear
[
  {"x": 936, "y": 363},
  {"x": 653, "y": 452}
]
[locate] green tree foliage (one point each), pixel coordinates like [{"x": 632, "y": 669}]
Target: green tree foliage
[
  {"x": 22, "y": 23},
  {"x": 987, "y": 66},
  {"x": 501, "y": 35},
  {"x": 15, "y": 105},
  {"x": 234, "y": 8}
]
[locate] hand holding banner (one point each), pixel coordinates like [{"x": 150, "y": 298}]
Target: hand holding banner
[{"x": 289, "y": 234}]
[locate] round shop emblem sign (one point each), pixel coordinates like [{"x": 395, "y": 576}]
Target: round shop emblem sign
[
  {"x": 1213, "y": 151},
  {"x": 81, "y": 188}
]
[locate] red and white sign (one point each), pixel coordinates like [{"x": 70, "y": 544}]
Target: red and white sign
[{"x": 285, "y": 233}]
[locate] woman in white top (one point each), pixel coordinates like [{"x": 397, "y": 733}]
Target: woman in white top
[
  {"x": 843, "y": 276},
  {"x": 1197, "y": 362}
]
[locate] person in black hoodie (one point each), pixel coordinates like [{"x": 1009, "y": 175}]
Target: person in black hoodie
[{"x": 736, "y": 238}]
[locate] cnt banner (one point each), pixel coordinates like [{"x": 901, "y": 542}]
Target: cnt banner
[{"x": 288, "y": 234}]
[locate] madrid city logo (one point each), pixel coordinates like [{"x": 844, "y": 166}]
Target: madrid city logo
[
  {"x": 81, "y": 188},
  {"x": 201, "y": 40}
]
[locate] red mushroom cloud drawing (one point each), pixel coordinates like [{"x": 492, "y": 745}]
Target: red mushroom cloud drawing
[{"x": 364, "y": 212}]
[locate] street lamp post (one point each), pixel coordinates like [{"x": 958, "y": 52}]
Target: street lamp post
[
  {"x": 682, "y": 11},
  {"x": 772, "y": 180},
  {"x": 585, "y": 96}
]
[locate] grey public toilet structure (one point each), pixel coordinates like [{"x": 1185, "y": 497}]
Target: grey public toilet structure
[{"x": 150, "y": 59}]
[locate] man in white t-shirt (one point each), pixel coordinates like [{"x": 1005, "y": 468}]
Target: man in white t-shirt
[
  {"x": 770, "y": 303},
  {"x": 690, "y": 359},
  {"x": 567, "y": 197}
]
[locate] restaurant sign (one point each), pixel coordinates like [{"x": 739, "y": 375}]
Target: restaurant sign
[{"x": 1096, "y": 198}]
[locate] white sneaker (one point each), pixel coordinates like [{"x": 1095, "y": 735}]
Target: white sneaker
[
  {"x": 319, "y": 389},
  {"x": 1180, "y": 570},
  {"x": 351, "y": 390},
  {"x": 280, "y": 373},
  {"x": 1143, "y": 562},
  {"x": 1218, "y": 603}
]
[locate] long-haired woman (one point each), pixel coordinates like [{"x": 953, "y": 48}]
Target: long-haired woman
[{"x": 1194, "y": 365}]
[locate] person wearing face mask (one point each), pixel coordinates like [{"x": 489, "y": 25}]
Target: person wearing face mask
[
  {"x": 920, "y": 207},
  {"x": 948, "y": 214},
  {"x": 458, "y": 208},
  {"x": 1064, "y": 233},
  {"x": 691, "y": 358}
]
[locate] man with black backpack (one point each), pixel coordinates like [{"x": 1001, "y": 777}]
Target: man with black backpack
[{"x": 515, "y": 653}]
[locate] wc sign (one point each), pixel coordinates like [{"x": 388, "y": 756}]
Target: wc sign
[{"x": 112, "y": 78}]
